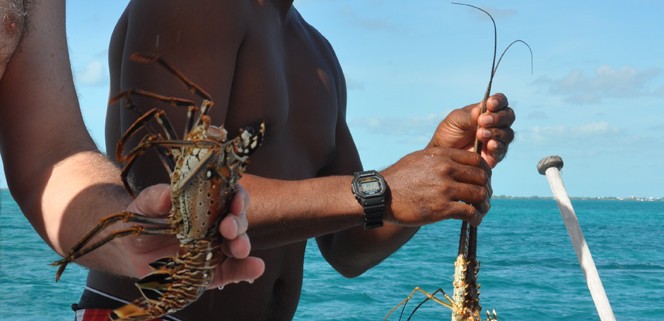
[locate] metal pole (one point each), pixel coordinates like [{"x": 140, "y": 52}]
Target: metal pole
[{"x": 550, "y": 166}]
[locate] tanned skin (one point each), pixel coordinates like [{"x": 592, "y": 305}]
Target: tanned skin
[
  {"x": 261, "y": 61},
  {"x": 54, "y": 171}
]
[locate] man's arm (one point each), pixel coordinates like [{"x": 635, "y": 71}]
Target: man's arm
[
  {"x": 55, "y": 172},
  {"x": 426, "y": 185},
  {"x": 52, "y": 165}
]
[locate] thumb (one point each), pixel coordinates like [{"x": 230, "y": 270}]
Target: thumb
[
  {"x": 234, "y": 270},
  {"x": 153, "y": 201}
]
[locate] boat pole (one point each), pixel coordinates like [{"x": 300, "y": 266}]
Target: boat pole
[{"x": 550, "y": 167}]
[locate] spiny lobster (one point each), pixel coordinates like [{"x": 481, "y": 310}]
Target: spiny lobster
[
  {"x": 465, "y": 301},
  {"x": 204, "y": 169}
]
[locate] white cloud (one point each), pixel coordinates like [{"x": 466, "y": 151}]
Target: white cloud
[
  {"x": 583, "y": 133},
  {"x": 366, "y": 22},
  {"x": 93, "y": 74},
  {"x": 398, "y": 126},
  {"x": 353, "y": 84},
  {"x": 538, "y": 114},
  {"x": 606, "y": 82}
]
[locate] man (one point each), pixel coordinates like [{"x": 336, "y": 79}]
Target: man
[
  {"x": 62, "y": 183},
  {"x": 260, "y": 61}
]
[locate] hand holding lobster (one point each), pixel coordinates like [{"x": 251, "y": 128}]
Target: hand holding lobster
[
  {"x": 492, "y": 128},
  {"x": 204, "y": 166},
  {"x": 451, "y": 183},
  {"x": 482, "y": 129},
  {"x": 142, "y": 250}
]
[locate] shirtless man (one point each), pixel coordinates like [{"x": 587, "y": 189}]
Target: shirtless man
[
  {"x": 54, "y": 171},
  {"x": 260, "y": 61}
]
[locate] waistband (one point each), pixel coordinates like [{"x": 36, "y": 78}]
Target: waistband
[
  {"x": 96, "y": 305},
  {"x": 97, "y": 315}
]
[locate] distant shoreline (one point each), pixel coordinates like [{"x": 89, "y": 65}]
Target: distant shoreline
[
  {"x": 585, "y": 198},
  {"x": 578, "y": 198}
]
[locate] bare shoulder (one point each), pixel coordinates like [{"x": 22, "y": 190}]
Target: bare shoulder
[
  {"x": 196, "y": 34},
  {"x": 316, "y": 35},
  {"x": 325, "y": 49},
  {"x": 199, "y": 37},
  {"x": 180, "y": 23}
]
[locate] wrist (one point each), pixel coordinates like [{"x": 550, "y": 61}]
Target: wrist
[{"x": 372, "y": 192}]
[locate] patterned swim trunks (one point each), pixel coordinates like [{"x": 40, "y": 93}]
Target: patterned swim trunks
[
  {"x": 96, "y": 315},
  {"x": 96, "y": 305}
]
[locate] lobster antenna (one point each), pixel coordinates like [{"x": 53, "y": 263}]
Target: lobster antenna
[
  {"x": 495, "y": 50},
  {"x": 494, "y": 64},
  {"x": 508, "y": 47}
]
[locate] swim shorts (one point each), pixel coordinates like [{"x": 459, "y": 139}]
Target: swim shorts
[
  {"x": 96, "y": 315},
  {"x": 97, "y": 306}
]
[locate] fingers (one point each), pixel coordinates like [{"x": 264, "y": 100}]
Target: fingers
[
  {"x": 234, "y": 229},
  {"x": 239, "y": 247},
  {"x": 238, "y": 266},
  {"x": 468, "y": 158},
  {"x": 154, "y": 201},
  {"x": 494, "y": 152},
  {"x": 240, "y": 201},
  {"x": 494, "y": 129},
  {"x": 496, "y": 102},
  {"x": 474, "y": 212},
  {"x": 234, "y": 271},
  {"x": 504, "y": 135},
  {"x": 496, "y": 141},
  {"x": 498, "y": 115},
  {"x": 233, "y": 225},
  {"x": 467, "y": 212},
  {"x": 471, "y": 187}
]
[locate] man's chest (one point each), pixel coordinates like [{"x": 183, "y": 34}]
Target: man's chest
[{"x": 294, "y": 87}]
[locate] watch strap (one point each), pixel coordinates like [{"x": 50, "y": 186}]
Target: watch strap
[{"x": 373, "y": 215}]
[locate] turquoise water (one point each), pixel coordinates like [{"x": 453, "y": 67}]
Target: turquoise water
[{"x": 528, "y": 268}]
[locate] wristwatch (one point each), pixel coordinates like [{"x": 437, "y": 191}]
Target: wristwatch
[{"x": 370, "y": 191}]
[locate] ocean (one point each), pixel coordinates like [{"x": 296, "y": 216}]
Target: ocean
[{"x": 528, "y": 267}]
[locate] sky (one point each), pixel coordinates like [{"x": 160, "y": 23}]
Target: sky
[{"x": 595, "y": 95}]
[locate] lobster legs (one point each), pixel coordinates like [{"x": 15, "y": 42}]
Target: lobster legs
[
  {"x": 447, "y": 302},
  {"x": 174, "y": 281},
  {"x": 159, "y": 226},
  {"x": 204, "y": 168},
  {"x": 464, "y": 302}
]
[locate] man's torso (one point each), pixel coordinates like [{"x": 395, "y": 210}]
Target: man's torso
[{"x": 286, "y": 75}]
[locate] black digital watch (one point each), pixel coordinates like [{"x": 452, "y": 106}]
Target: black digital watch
[{"x": 370, "y": 191}]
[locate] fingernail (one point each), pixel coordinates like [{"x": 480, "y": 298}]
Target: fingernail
[
  {"x": 486, "y": 120},
  {"x": 237, "y": 227},
  {"x": 493, "y": 101},
  {"x": 485, "y": 133}
]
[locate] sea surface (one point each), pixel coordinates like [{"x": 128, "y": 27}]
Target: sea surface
[{"x": 529, "y": 270}]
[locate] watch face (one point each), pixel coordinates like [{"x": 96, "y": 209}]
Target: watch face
[{"x": 369, "y": 186}]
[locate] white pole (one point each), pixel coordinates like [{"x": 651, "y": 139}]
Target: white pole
[{"x": 550, "y": 166}]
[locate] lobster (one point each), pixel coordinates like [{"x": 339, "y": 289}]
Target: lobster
[
  {"x": 204, "y": 169},
  {"x": 465, "y": 301}
]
